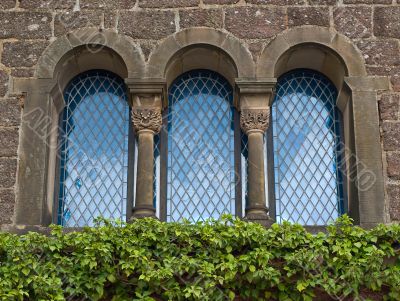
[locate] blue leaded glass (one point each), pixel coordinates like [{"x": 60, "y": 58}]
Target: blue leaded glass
[
  {"x": 93, "y": 150},
  {"x": 307, "y": 141},
  {"x": 201, "y": 171}
]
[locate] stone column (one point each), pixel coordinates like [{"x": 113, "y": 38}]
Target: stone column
[
  {"x": 147, "y": 123},
  {"x": 255, "y": 98},
  {"x": 146, "y": 96}
]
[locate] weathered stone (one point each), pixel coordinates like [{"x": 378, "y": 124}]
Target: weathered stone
[
  {"x": 392, "y": 71},
  {"x": 25, "y": 25},
  {"x": 22, "y": 72},
  {"x": 389, "y": 107},
  {"x": 255, "y": 23},
  {"x": 354, "y": 22},
  {"x": 391, "y": 135},
  {"x": 7, "y": 200},
  {"x": 387, "y": 22},
  {"x": 8, "y": 142},
  {"x": 4, "y": 79},
  {"x": 278, "y": 2},
  {"x": 147, "y": 47},
  {"x": 394, "y": 201},
  {"x": 47, "y": 4},
  {"x": 393, "y": 165},
  {"x": 7, "y": 4},
  {"x": 201, "y": 17},
  {"x": 10, "y": 114},
  {"x": 255, "y": 48},
  {"x": 380, "y": 52},
  {"x": 322, "y": 2},
  {"x": 68, "y": 21},
  {"x": 221, "y": 2},
  {"x": 308, "y": 16},
  {"x": 169, "y": 3},
  {"x": 107, "y": 4},
  {"x": 367, "y": 1},
  {"x": 8, "y": 171},
  {"x": 136, "y": 24},
  {"x": 22, "y": 54}
]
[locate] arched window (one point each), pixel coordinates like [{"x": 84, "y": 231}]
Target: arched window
[
  {"x": 93, "y": 150},
  {"x": 307, "y": 148},
  {"x": 202, "y": 167}
]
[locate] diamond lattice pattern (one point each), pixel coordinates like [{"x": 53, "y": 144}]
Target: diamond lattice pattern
[
  {"x": 306, "y": 129},
  {"x": 201, "y": 173},
  {"x": 94, "y": 150}
]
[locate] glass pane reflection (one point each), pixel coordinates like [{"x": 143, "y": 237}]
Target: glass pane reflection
[
  {"x": 307, "y": 141},
  {"x": 94, "y": 150},
  {"x": 201, "y": 173}
]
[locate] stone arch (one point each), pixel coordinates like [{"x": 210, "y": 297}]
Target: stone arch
[
  {"x": 311, "y": 47},
  {"x": 128, "y": 51},
  {"x": 201, "y": 39}
]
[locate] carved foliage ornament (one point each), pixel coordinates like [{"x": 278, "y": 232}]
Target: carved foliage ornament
[
  {"x": 254, "y": 120},
  {"x": 147, "y": 119}
]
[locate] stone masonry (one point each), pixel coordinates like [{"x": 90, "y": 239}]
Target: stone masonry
[{"x": 27, "y": 27}]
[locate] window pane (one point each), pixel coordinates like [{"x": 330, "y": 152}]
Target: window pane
[
  {"x": 307, "y": 140},
  {"x": 94, "y": 150},
  {"x": 201, "y": 171}
]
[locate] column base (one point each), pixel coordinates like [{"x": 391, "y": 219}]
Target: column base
[
  {"x": 143, "y": 212},
  {"x": 259, "y": 215}
]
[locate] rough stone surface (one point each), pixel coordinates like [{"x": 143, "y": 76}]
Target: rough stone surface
[
  {"x": 278, "y": 2},
  {"x": 220, "y": 1},
  {"x": 389, "y": 106},
  {"x": 4, "y": 79},
  {"x": 394, "y": 201},
  {"x": 22, "y": 54},
  {"x": 8, "y": 142},
  {"x": 308, "y": 16},
  {"x": 387, "y": 22},
  {"x": 391, "y": 136},
  {"x": 393, "y": 162},
  {"x": 8, "y": 172},
  {"x": 255, "y": 23},
  {"x": 9, "y": 112},
  {"x": 107, "y": 4},
  {"x": 69, "y": 21},
  {"x": 7, "y": 4},
  {"x": 354, "y": 22},
  {"x": 47, "y": 4},
  {"x": 384, "y": 52},
  {"x": 136, "y": 24},
  {"x": 7, "y": 200},
  {"x": 197, "y": 17},
  {"x": 169, "y": 3},
  {"x": 25, "y": 25}
]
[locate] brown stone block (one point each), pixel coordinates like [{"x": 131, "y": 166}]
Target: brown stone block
[
  {"x": 22, "y": 54},
  {"x": 201, "y": 17},
  {"x": 147, "y": 24},
  {"x": 392, "y": 71},
  {"x": 7, "y": 4},
  {"x": 278, "y": 2},
  {"x": 354, "y": 22},
  {"x": 8, "y": 142},
  {"x": 25, "y": 25},
  {"x": 323, "y": 2},
  {"x": 67, "y": 22},
  {"x": 308, "y": 16},
  {"x": 393, "y": 165},
  {"x": 167, "y": 4},
  {"x": 10, "y": 113},
  {"x": 255, "y": 23},
  {"x": 387, "y": 22},
  {"x": 8, "y": 171},
  {"x": 7, "y": 200},
  {"x": 380, "y": 52},
  {"x": 389, "y": 107},
  {"x": 391, "y": 136},
  {"x": 107, "y": 4},
  {"x": 47, "y": 4},
  {"x": 367, "y": 1},
  {"x": 220, "y": 2},
  {"x": 22, "y": 72},
  {"x": 4, "y": 79},
  {"x": 394, "y": 200}
]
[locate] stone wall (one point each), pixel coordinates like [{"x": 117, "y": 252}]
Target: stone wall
[{"x": 27, "y": 27}]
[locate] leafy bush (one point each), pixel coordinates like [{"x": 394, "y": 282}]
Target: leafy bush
[{"x": 217, "y": 260}]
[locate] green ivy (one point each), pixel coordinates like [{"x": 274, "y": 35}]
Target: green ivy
[{"x": 217, "y": 260}]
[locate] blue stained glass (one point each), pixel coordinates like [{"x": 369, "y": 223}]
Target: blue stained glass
[
  {"x": 93, "y": 150},
  {"x": 201, "y": 170},
  {"x": 307, "y": 144}
]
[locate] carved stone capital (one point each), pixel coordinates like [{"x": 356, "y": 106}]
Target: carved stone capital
[
  {"x": 147, "y": 119},
  {"x": 254, "y": 120}
]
